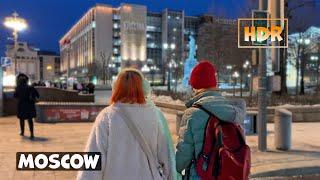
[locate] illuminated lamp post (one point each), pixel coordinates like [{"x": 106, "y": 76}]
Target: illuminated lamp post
[
  {"x": 17, "y": 24},
  {"x": 304, "y": 42},
  {"x": 235, "y": 76},
  {"x": 153, "y": 71},
  {"x": 316, "y": 58},
  {"x": 169, "y": 63}
]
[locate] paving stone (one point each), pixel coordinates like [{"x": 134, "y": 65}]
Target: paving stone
[{"x": 305, "y": 153}]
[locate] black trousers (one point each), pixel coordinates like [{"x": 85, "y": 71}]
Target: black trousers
[{"x": 30, "y": 122}]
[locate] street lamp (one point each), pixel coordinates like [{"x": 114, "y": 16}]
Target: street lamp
[
  {"x": 171, "y": 47},
  {"x": 235, "y": 75},
  {"x": 314, "y": 58},
  {"x": 145, "y": 69},
  {"x": 304, "y": 42},
  {"x": 153, "y": 70},
  {"x": 175, "y": 65},
  {"x": 165, "y": 46},
  {"x": 16, "y": 24},
  {"x": 245, "y": 67}
]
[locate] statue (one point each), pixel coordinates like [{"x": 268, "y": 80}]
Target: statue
[{"x": 190, "y": 63}]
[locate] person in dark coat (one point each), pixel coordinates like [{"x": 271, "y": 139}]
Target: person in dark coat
[
  {"x": 90, "y": 88},
  {"x": 27, "y": 97}
]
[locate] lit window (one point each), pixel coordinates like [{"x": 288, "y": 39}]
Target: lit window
[
  {"x": 151, "y": 28},
  {"x": 49, "y": 67}
]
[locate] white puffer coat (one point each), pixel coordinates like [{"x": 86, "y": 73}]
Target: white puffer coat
[{"x": 122, "y": 156}]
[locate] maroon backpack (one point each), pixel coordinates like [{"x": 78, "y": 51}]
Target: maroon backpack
[{"x": 225, "y": 154}]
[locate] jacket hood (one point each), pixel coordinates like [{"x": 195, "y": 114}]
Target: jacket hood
[{"x": 224, "y": 109}]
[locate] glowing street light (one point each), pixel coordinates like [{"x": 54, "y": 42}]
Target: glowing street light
[
  {"x": 165, "y": 46},
  {"x": 17, "y": 24},
  {"x": 314, "y": 58},
  {"x": 172, "y": 46},
  {"x": 235, "y": 74},
  {"x": 145, "y": 69},
  {"x": 304, "y": 41},
  {"x": 307, "y": 41}
]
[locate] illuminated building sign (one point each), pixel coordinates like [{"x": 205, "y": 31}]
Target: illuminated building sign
[{"x": 133, "y": 33}]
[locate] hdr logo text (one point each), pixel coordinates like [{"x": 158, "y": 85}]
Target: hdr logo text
[
  {"x": 262, "y": 33},
  {"x": 259, "y": 34}
]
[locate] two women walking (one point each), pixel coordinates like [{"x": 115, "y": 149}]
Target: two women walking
[{"x": 133, "y": 136}]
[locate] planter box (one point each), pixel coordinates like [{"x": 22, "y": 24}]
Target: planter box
[{"x": 52, "y": 112}]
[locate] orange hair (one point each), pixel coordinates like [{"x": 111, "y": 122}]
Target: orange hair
[{"x": 128, "y": 88}]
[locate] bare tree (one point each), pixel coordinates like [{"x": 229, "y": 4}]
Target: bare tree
[
  {"x": 99, "y": 68},
  {"x": 290, "y": 12},
  {"x": 105, "y": 69},
  {"x": 212, "y": 44}
]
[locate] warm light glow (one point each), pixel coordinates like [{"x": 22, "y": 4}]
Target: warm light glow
[
  {"x": 49, "y": 67},
  {"x": 9, "y": 80},
  {"x": 16, "y": 23}
]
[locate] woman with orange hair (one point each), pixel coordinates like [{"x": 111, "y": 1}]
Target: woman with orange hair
[{"x": 128, "y": 135}]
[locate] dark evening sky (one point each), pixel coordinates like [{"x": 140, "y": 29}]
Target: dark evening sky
[{"x": 49, "y": 19}]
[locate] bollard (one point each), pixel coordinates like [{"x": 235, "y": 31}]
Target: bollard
[{"x": 282, "y": 129}]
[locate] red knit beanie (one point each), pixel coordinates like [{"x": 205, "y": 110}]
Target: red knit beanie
[{"x": 203, "y": 76}]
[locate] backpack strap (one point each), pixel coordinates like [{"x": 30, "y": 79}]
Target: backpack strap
[
  {"x": 199, "y": 106},
  {"x": 136, "y": 132},
  {"x": 238, "y": 128}
]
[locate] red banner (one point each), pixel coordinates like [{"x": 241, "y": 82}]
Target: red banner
[{"x": 72, "y": 114}]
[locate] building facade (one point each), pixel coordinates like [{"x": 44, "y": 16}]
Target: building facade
[
  {"x": 108, "y": 38},
  {"x": 49, "y": 66},
  {"x": 24, "y": 60}
]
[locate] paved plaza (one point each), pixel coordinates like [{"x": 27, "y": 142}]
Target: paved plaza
[{"x": 303, "y": 159}]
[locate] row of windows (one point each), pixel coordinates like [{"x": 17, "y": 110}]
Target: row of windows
[{"x": 25, "y": 57}]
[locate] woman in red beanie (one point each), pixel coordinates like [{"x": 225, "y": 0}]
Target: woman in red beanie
[{"x": 204, "y": 83}]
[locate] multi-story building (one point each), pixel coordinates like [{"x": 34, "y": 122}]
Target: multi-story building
[
  {"x": 107, "y": 38},
  {"x": 24, "y": 60},
  {"x": 49, "y": 65}
]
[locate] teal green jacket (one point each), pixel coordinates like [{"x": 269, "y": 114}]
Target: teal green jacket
[{"x": 193, "y": 124}]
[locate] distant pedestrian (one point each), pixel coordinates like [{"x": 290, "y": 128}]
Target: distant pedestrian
[
  {"x": 27, "y": 97},
  {"x": 90, "y": 87},
  {"x": 79, "y": 87},
  {"x": 64, "y": 86},
  {"x": 129, "y": 136},
  {"x": 74, "y": 86}
]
